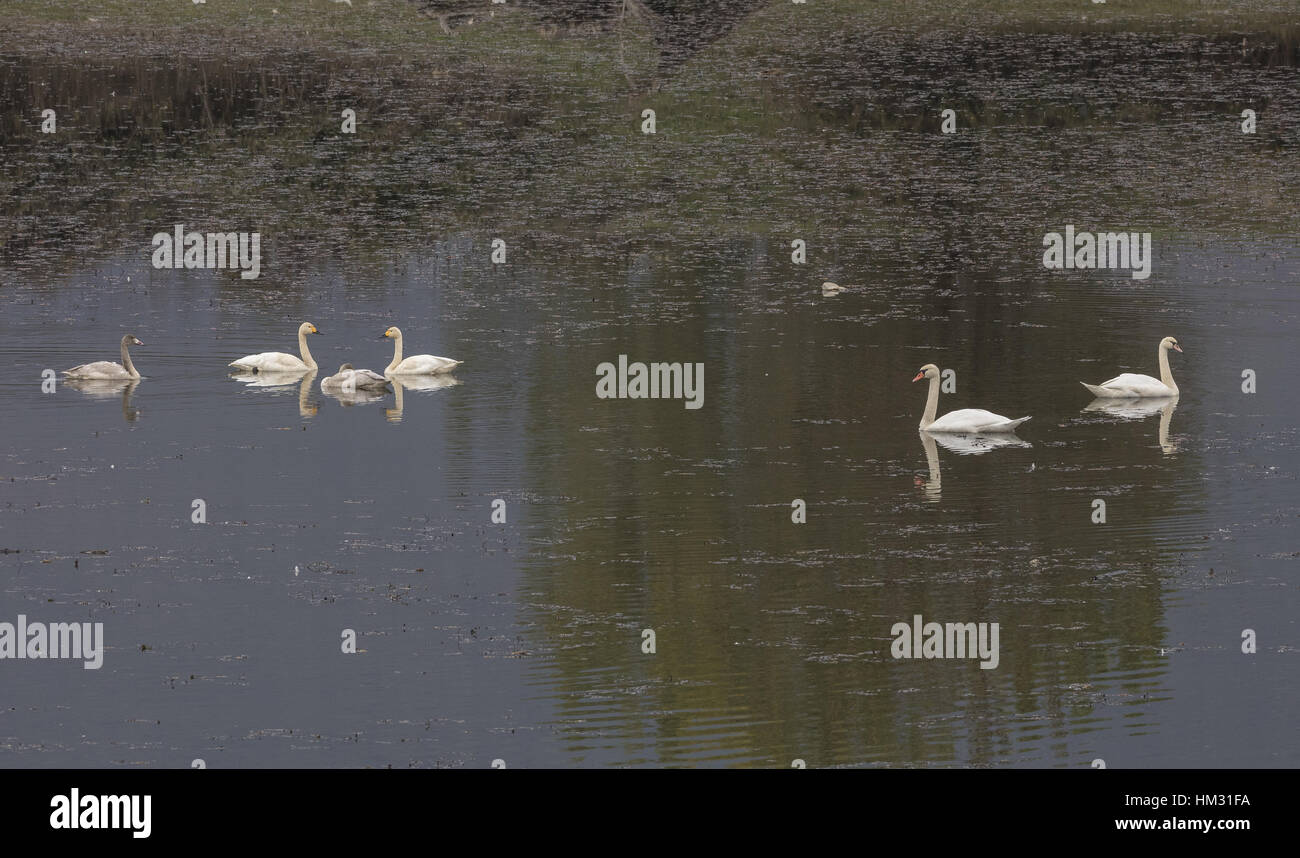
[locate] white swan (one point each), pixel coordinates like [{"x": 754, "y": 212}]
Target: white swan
[
  {"x": 279, "y": 361},
  {"x": 415, "y": 364},
  {"x": 351, "y": 380},
  {"x": 829, "y": 289},
  {"x": 1133, "y": 386},
  {"x": 108, "y": 369},
  {"x": 968, "y": 420}
]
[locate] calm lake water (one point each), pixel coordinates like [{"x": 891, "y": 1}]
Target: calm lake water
[{"x": 522, "y": 641}]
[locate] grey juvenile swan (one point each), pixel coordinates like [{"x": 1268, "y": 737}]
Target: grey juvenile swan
[
  {"x": 350, "y": 380},
  {"x": 107, "y": 369}
]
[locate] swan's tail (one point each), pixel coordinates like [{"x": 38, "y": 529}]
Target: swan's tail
[
  {"x": 1012, "y": 424},
  {"x": 1095, "y": 390}
]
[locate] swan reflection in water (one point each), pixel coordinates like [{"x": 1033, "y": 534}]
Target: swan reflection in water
[
  {"x": 1140, "y": 409},
  {"x": 414, "y": 382},
  {"x": 279, "y": 380},
  {"x": 962, "y": 444},
  {"x": 109, "y": 388},
  {"x": 356, "y": 396}
]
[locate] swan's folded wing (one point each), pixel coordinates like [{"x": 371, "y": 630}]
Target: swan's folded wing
[
  {"x": 963, "y": 420},
  {"x": 421, "y": 364},
  {"x": 270, "y": 361},
  {"x": 974, "y": 421},
  {"x": 365, "y": 378},
  {"x": 250, "y": 361},
  {"x": 1001, "y": 424},
  {"x": 1135, "y": 384},
  {"x": 980, "y": 420},
  {"x": 98, "y": 369}
]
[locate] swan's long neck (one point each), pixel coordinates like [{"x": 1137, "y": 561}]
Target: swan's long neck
[
  {"x": 306, "y": 352},
  {"x": 126, "y": 362},
  {"x": 1166, "y": 376},
  {"x": 931, "y": 403},
  {"x": 397, "y": 353}
]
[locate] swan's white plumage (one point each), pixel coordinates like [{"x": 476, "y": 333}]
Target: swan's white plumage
[
  {"x": 1129, "y": 385},
  {"x": 415, "y": 364},
  {"x": 973, "y": 420},
  {"x": 425, "y": 365},
  {"x": 963, "y": 420},
  {"x": 280, "y": 361},
  {"x": 271, "y": 362}
]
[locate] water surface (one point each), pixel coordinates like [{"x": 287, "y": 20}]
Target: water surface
[{"x": 521, "y": 640}]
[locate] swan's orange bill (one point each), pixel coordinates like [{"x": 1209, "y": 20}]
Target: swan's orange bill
[
  {"x": 1178, "y": 348},
  {"x": 919, "y": 376}
]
